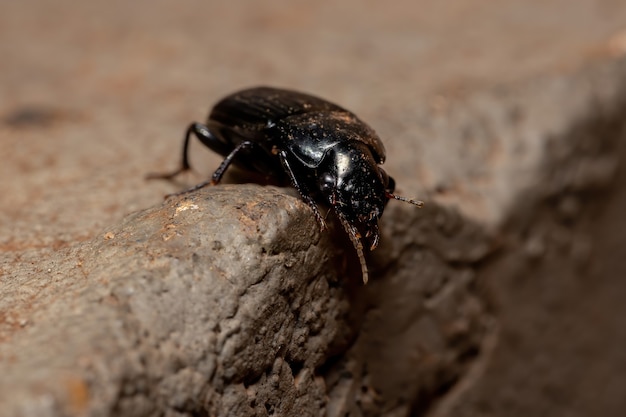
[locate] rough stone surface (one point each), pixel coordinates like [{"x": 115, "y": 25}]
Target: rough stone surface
[
  {"x": 227, "y": 302},
  {"x": 504, "y": 296},
  {"x": 557, "y": 284}
]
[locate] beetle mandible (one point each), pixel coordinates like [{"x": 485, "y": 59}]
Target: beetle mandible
[{"x": 327, "y": 153}]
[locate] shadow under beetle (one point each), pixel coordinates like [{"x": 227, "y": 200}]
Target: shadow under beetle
[{"x": 325, "y": 151}]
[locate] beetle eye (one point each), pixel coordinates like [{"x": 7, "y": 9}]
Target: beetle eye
[
  {"x": 327, "y": 184},
  {"x": 390, "y": 184},
  {"x": 327, "y": 181},
  {"x": 383, "y": 175}
]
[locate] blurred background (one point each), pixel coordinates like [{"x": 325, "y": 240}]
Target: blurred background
[{"x": 115, "y": 84}]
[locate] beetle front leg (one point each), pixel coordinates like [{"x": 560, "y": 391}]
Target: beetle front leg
[
  {"x": 302, "y": 190},
  {"x": 205, "y": 136}
]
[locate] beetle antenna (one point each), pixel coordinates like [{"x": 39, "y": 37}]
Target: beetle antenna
[
  {"x": 358, "y": 246},
  {"x": 417, "y": 203}
]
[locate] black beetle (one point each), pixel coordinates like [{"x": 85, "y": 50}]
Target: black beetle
[{"x": 325, "y": 151}]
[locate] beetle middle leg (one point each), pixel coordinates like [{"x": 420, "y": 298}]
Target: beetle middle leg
[
  {"x": 219, "y": 172},
  {"x": 207, "y": 138}
]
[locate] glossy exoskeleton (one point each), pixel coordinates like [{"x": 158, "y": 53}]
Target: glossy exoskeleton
[{"x": 325, "y": 151}]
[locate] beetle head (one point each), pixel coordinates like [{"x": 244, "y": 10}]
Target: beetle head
[{"x": 357, "y": 189}]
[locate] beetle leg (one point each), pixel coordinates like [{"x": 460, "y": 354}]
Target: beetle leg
[
  {"x": 302, "y": 190},
  {"x": 205, "y": 136},
  {"x": 219, "y": 172}
]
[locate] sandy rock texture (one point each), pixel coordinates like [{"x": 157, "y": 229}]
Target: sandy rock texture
[{"x": 502, "y": 297}]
